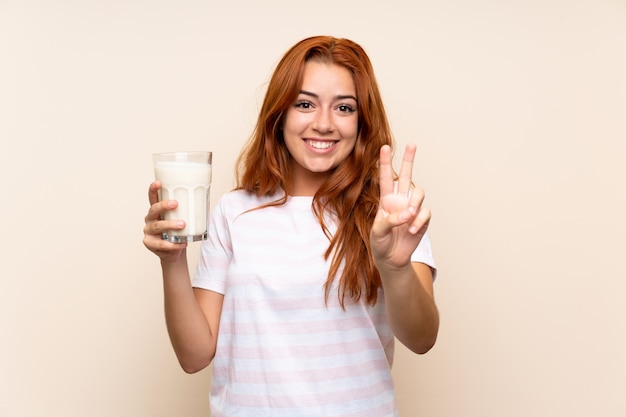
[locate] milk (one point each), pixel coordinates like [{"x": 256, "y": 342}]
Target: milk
[{"x": 188, "y": 183}]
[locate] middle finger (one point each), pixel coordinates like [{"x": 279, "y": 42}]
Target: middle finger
[
  {"x": 158, "y": 208},
  {"x": 406, "y": 169}
]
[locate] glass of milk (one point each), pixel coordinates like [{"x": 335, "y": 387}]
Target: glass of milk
[{"x": 186, "y": 178}]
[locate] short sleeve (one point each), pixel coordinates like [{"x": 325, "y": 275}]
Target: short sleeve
[
  {"x": 424, "y": 254},
  {"x": 215, "y": 254}
]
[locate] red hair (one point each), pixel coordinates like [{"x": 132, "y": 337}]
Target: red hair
[{"x": 351, "y": 193}]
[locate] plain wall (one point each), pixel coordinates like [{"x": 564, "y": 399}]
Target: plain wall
[{"x": 518, "y": 109}]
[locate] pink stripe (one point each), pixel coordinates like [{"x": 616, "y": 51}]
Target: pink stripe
[
  {"x": 301, "y": 327},
  {"x": 305, "y": 351},
  {"x": 315, "y": 301},
  {"x": 218, "y": 263},
  {"x": 286, "y": 304},
  {"x": 298, "y": 376}
]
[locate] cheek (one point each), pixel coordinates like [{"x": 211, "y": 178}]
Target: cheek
[
  {"x": 350, "y": 129},
  {"x": 294, "y": 122}
]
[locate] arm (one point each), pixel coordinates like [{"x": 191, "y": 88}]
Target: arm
[
  {"x": 411, "y": 306},
  {"x": 399, "y": 226},
  {"x": 192, "y": 315}
]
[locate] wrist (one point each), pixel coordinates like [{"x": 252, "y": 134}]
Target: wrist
[
  {"x": 396, "y": 273},
  {"x": 174, "y": 262},
  {"x": 385, "y": 266}
]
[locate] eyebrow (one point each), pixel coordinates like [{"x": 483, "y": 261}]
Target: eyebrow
[{"x": 337, "y": 97}]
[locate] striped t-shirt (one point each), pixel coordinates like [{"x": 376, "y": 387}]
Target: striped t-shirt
[{"x": 282, "y": 351}]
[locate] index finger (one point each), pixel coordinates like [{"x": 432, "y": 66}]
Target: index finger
[
  {"x": 153, "y": 192},
  {"x": 385, "y": 171}
]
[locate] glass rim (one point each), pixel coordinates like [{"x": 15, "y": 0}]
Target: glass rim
[
  {"x": 182, "y": 153},
  {"x": 205, "y": 157}
]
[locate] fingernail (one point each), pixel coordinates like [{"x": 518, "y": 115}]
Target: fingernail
[
  {"x": 412, "y": 209},
  {"x": 180, "y": 223}
]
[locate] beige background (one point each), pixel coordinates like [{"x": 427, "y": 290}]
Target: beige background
[{"x": 518, "y": 109}]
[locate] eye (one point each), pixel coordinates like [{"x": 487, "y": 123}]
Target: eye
[
  {"x": 345, "y": 108},
  {"x": 303, "y": 104}
]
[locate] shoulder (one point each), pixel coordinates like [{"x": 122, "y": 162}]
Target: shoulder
[
  {"x": 238, "y": 201},
  {"x": 243, "y": 196}
]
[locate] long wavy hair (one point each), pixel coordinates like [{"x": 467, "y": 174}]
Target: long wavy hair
[{"x": 351, "y": 193}]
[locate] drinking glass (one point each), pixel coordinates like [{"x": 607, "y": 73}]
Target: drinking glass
[{"x": 186, "y": 178}]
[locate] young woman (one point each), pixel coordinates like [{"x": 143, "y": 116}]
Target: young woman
[{"x": 315, "y": 262}]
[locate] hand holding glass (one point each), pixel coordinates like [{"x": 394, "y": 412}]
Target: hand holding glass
[{"x": 186, "y": 178}]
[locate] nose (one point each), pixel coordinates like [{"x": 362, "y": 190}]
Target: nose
[{"x": 323, "y": 122}]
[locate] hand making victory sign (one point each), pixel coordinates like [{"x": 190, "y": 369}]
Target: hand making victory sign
[
  {"x": 401, "y": 220},
  {"x": 399, "y": 226}
]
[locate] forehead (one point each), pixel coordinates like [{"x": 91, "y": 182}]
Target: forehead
[{"x": 320, "y": 77}]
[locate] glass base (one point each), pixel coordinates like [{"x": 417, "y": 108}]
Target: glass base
[{"x": 182, "y": 239}]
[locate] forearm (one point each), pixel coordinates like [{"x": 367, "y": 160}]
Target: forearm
[
  {"x": 188, "y": 328},
  {"x": 411, "y": 307}
]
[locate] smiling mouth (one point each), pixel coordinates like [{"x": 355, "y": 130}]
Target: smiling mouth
[{"x": 320, "y": 144}]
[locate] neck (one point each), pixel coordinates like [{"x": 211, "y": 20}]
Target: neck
[{"x": 306, "y": 183}]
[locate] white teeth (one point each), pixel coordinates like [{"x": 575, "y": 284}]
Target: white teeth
[{"x": 320, "y": 145}]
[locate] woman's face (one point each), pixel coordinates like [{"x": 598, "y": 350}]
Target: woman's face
[{"x": 321, "y": 127}]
